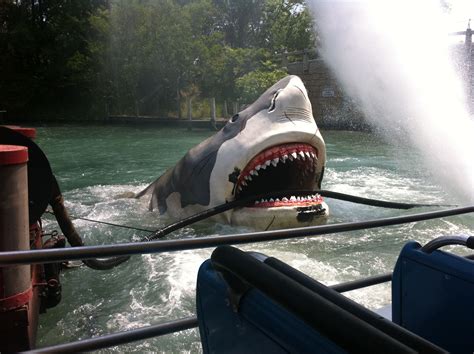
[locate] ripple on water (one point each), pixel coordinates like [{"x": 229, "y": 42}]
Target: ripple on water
[{"x": 151, "y": 289}]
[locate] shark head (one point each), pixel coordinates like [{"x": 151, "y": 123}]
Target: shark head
[{"x": 272, "y": 145}]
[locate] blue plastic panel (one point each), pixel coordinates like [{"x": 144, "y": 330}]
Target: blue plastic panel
[
  {"x": 259, "y": 326},
  {"x": 433, "y": 296}
]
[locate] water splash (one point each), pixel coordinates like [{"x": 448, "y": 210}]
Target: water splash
[{"x": 394, "y": 58}]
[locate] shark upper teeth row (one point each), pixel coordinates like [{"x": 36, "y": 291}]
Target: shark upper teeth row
[
  {"x": 292, "y": 199},
  {"x": 275, "y": 155},
  {"x": 274, "y": 162}
]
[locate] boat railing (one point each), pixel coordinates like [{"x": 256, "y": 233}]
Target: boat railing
[
  {"x": 91, "y": 252},
  {"x": 153, "y": 331}
]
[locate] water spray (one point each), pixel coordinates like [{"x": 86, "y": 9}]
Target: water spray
[{"x": 394, "y": 58}]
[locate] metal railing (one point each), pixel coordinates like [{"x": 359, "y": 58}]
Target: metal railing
[{"x": 55, "y": 255}]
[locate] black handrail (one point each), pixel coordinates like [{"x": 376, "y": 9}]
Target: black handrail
[
  {"x": 463, "y": 240},
  {"x": 142, "y": 333},
  {"x": 119, "y": 338},
  {"x": 85, "y": 252},
  {"x": 362, "y": 283},
  {"x": 124, "y": 337}
]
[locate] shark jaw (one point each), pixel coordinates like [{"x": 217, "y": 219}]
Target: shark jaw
[
  {"x": 281, "y": 167},
  {"x": 284, "y": 167}
]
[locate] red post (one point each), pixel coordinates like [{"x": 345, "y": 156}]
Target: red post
[{"x": 15, "y": 282}]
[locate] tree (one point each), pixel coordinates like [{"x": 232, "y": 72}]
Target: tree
[
  {"x": 149, "y": 52},
  {"x": 46, "y": 65},
  {"x": 68, "y": 58},
  {"x": 251, "y": 85},
  {"x": 240, "y": 21},
  {"x": 287, "y": 25}
]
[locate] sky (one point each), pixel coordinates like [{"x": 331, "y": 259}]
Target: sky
[{"x": 459, "y": 15}]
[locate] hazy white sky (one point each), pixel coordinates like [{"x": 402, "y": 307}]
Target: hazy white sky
[{"x": 461, "y": 12}]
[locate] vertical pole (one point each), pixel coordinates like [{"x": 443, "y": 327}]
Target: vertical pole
[
  {"x": 470, "y": 64},
  {"x": 15, "y": 282},
  {"x": 107, "y": 112},
  {"x": 189, "y": 101},
  {"x": 284, "y": 59},
  {"x": 226, "y": 110},
  {"x": 137, "y": 112},
  {"x": 213, "y": 113},
  {"x": 178, "y": 97},
  {"x": 235, "y": 109},
  {"x": 468, "y": 41},
  {"x": 305, "y": 61}
]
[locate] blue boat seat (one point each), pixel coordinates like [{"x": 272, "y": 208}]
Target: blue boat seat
[
  {"x": 433, "y": 295},
  {"x": 250, "y": 305}
]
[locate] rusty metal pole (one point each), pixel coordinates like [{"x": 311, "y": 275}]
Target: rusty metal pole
[{"x": 15, "y": 282}]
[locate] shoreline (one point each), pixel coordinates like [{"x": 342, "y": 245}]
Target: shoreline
[{"x": 170, "y": 122}]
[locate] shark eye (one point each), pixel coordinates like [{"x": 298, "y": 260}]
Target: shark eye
[
  {"x": 273, "y": 102},
  {"x": 234, "y": 118}
]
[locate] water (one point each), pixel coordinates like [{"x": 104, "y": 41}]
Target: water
[
  {"x": 402, "y": 75},
  {"x": 95, "y": 164}
]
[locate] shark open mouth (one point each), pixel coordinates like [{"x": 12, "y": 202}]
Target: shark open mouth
[{"x": 283, "y": 167}]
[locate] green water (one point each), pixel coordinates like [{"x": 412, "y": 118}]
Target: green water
[{"x": 95, "y": 164}]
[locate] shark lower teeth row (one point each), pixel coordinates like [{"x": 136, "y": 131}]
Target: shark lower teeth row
[{"x": 291, "y": 199}]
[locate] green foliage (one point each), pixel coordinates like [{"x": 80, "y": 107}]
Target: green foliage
[
  {"x": 251, "y": 85},
  {"x": 68, "y": 58},
  {"x": 286, "y": 25},
  {"x": 46, "y": 67}
]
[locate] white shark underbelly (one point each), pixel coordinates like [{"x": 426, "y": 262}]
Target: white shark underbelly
[{"x": 279, "y": 217}]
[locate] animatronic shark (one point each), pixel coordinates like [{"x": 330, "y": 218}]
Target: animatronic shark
[{"x": 272, "y": 145}]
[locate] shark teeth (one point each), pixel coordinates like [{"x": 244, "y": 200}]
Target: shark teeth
[
  {"x": 304, "y": 155},
  {"x": 291, "y": 201}
]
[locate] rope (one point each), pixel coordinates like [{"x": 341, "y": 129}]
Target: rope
[{"x": 105, "y": 223}]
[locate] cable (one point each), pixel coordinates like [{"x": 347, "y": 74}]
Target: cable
[
  {"x": 105, "y": 223},
  {"x": 376, "y": 202},
  {"x": 160, "y": 233}
]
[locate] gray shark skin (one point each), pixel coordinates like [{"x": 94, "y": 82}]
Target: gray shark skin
[{"x": 200, "y": 180}]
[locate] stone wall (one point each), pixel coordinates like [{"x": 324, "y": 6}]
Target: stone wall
[{"x": 329, "y": 102}]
